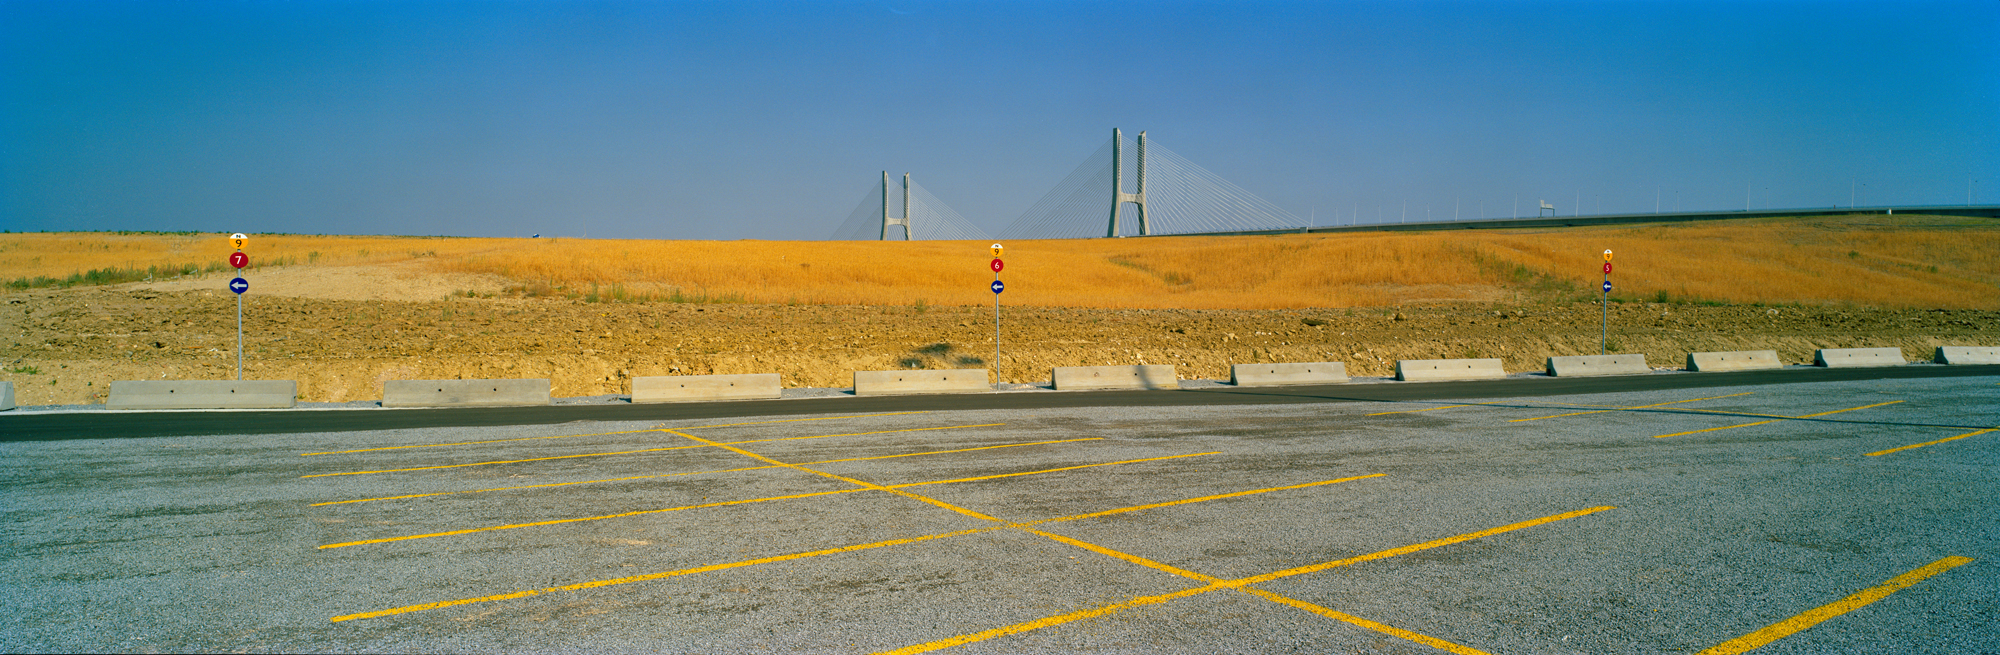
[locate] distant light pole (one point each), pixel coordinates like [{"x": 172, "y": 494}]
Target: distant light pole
[
  {"x": 1578, "y": 209},
  {"x": 1656, "y": 200},
  {"x": 1851, "y": 184},
  {"x": 1517, "y": 205}
]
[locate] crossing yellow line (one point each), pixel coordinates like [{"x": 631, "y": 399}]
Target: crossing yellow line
[
  {"x": 1930, "y": 443},
  {"x": 1621, "y": 409},
  {"x": 1223, "y": 584},
  {"x": 669, "y": 475},
  {"x": 816, "y": 553},
  {"x": 1413, "y": 411},
  {"x": 643, "y": 450},
  {"x": 1817, "y": 615},
  {"x": 596, "y": 434},
  {"x": 894, "y": 489},
  {"x": 1745, "y": 425}
]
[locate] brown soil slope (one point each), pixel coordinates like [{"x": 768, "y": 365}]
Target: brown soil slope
[{"x": 65, "y": 346}]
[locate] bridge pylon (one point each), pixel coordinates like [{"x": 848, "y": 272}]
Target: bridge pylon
[
  {"x": 1118, "y": 195},
  {"x": 909, "y": 233}
]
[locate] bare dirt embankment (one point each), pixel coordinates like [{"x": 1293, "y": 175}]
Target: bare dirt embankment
[{"x": 65, "y": 346}]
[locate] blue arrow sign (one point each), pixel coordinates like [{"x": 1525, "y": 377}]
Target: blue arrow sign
[
  {"x": 998, "y": 287},
  {"x": 1607, "y": 286},
  {"x": 239, "y": 285}
]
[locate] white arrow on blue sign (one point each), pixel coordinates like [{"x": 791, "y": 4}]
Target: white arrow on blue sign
[
  {"x": 998, "y": 287},
  {"x": 1607, "y": 286},
  {"x": 239, "y": 285}
]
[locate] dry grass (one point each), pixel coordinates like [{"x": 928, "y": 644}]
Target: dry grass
[{"x": 1900, "y": 261}]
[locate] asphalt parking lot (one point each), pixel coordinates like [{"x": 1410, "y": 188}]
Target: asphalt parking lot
[{"x": 1790, "y": 518}]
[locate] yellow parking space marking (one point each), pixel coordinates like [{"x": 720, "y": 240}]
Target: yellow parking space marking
[
  {"x": 816, "y": 553},
  {"x": 894, "y": 489},
  {"x": 1413, "y": 411},
  {"x": 859, "y": 483},
  {"x": 1201, "y": 577},
  {"x": 1745, "y": 425},
  {"x": 669, "y": 475},
  {"x": 1621, "y": 409},
  {"x": 645, "y": 450},
  {"x": 1817, "y": 615},
  {"x": 657, "y": 576},
  {"x": 1424, "y": 639},
  {"x": 597, "y": 434},
  {"x": 1225, "y": 584},
  {"x": 1930, "y": 443}
]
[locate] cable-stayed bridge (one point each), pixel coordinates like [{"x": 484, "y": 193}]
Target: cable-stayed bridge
[
  {"x": 1171, "y": 195},
  {"x": 925, "y": 218}
]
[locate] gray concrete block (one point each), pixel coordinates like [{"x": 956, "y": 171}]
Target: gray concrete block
[
  {"x": 1569, "y": 366},
  {"x": 1734, "y": 360},
  {"x": 1968, "y": 355},
  {"x": 1271, "y": 375},
  {"x": 464, "y": 393},
  {"x": 1858, "y": 357},
  {"x": 891, "y": 383},
  {"x": 203, "y": 394},
  {"x": 688, "y": 388},
  {"x": 6, "y": 396},
  {"x": 1425, "y": 370},
  {"x": 1143, "y": 376}
]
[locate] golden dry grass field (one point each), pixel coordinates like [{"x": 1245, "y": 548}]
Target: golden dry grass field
[
  {"x": 1862, "y": 260},
  {"x": 343, "y": 315}
]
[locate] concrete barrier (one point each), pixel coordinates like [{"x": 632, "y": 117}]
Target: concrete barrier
[
  {"x": 1143, "y": 376},
  {"x": 464, "y": 393},
  {"x": 1858, "y": 357},
  {"x": 1734, "y": 360},
  {"x": 687, "y": 388},
  {"x": 1571, "y": 366},
  {"x": 1425, "y": 370},
  {"x": 1271, "y": 375},
  {"x": 891, "y": 383},
  {"x": 203, "y": 394},
  {"x": 6, "y": 396},
  {"x": 1968, "y": 355}
]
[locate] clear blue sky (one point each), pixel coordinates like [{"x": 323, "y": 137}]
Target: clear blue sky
[{"x": 730, "y": 120}]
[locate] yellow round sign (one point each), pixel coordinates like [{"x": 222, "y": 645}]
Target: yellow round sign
[
  {"x": 996, "y": 250},
  {"x": 238, "y": 240},
  {"x": 1607, "y": 255}
]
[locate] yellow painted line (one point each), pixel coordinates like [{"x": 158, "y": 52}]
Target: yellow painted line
[
  {"x": 894, "y": 489},
  {"x": 642, "y": 512},
  {"x": 657, "y": 576},
  {"x": 1038, "y": 472},
  {"x": 1621, "y": 409},
  {"x": 1201, "y": 577},
  {"x": 595, "y": 434},
  {"x": 1203, "y": 499},
  {"x": 1424, "y": 639},
  {"x": 815, "y": 553},
  {"x": 859, "y": 483},
  {"x": 1745, "y": 425},
  {"x": 1405, "y": 550},
  {"x": 669, "y": 475},
  {"x": 1815, "y": 616},
  {"x": 1930, "y": 443},
  {"x": 1219, "y": 585},
  {"x": 647, "y": 450},
  {"x": 1126, "y": 557},
  {"x": 1413, "y": 411}
]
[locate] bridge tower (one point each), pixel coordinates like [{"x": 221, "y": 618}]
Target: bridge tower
[
  {"x": 1118, "y": 195},
  {"x": 909, "y": 234}
]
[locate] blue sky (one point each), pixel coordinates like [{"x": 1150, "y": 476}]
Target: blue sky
[{"x": 732, "y": 120}]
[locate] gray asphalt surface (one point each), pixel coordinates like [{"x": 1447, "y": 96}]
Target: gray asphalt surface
[{"x": 215, "y": 543}]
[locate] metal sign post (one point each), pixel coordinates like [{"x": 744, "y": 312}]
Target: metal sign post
[
  {"x": 1604, "y": 314},
  {"x": 239, "y": 285},
  {"x": 997, "y": 288}
]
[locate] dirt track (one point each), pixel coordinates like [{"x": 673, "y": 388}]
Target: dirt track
[{"x": 65, "y": 346}]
